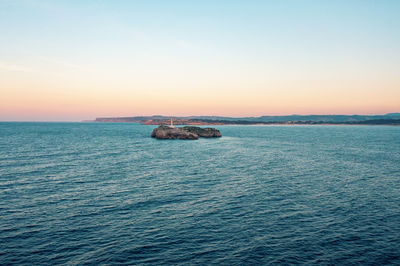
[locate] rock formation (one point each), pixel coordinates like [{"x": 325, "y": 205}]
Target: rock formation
[
  {"x": 166, "y": 132},
  {"x": 204, "y": 132}
]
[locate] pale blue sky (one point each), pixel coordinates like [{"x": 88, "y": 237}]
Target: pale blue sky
[{"x": 232, "y": 28}]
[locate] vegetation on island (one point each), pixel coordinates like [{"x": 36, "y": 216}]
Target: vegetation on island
[{"x": 168, "y": 132}]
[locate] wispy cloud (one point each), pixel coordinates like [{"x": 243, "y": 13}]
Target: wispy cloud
[
  {"x": 64, "y": 64},
  {"x": 14, "y": 68},
  {"x": 50, "y": 66}
]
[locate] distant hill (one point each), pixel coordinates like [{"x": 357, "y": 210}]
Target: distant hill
[{"x": 390, "y": 118}]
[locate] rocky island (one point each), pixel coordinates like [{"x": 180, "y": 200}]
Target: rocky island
[
  {"x": 188, "y": 132},
  {"x": 207, "y": 132}
]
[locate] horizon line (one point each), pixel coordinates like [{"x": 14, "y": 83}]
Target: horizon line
[{"x": 185, "y": 116}]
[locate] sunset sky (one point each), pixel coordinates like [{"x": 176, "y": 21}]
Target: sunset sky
[{"x": 76, "y": 60}]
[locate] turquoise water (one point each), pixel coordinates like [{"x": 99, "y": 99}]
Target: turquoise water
[{"x": 89, "y": 193}]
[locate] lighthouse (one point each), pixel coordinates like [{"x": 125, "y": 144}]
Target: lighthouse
[{"x": 172, "y": 125}]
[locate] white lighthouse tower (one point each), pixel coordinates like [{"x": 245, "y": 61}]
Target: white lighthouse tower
[{"x": 172, "y": 125}]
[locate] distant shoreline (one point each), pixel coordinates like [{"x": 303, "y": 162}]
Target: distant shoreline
[
  {"x": 367, "y": 123},
  {"x": 267, "y": 124},
  {"x": 387, "y": 119}
]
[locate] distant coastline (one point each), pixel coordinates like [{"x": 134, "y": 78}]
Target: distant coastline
[{"x": 387, "y": 119}]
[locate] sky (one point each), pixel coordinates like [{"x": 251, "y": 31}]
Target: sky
[{"x": 77, "y": 60}]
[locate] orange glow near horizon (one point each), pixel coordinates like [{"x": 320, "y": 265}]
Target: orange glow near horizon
[{"x": 41, "y": 103}]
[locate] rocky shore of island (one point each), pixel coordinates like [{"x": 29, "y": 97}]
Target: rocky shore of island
[{"x": 187, "y": 132}]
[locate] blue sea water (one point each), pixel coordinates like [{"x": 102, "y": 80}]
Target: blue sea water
[{"x": 107, "y": 193}]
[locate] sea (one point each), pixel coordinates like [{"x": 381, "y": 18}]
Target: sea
[{"x": 109, "y": 194}]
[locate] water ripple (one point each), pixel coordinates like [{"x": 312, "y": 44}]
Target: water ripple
[{"x": 76, "y": 193}]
